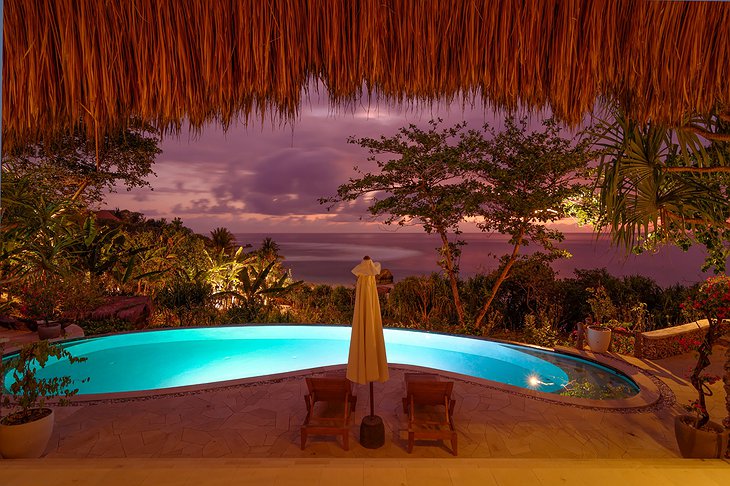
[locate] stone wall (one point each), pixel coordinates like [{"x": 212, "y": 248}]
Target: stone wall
[{"x": 672, "y": 341}]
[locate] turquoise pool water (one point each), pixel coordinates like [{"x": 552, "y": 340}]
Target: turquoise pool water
[{"x": 155, "y": 360}]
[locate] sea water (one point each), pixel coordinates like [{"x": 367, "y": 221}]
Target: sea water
[{"x": 329, "y": 257}]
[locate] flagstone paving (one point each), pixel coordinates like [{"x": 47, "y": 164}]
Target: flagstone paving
[{"x": 263, "y": 421}]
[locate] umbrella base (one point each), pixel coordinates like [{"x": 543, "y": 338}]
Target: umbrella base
[{"x": 372, "y": 432}]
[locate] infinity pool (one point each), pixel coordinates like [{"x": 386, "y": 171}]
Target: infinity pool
[{"x": 156, "y": 360}]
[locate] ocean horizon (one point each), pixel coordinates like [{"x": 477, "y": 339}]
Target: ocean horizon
[{"x": 328, "y": 257}]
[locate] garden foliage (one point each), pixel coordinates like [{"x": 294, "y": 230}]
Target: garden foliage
[{"x": 512, "y": 182}]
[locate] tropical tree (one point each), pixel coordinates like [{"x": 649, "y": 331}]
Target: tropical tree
[
  {"x": 73, "y": 166},
  {"x": 222, "y": 240},
  {"x": 247, "y": 278},
  {"x": 269, "y": 250},
  {"x": 46, "y": 187},
  {"x": 524, "y": 182},
  {"x": 36, "y": 231},
  {"x": 224, "y": 273},
  {"x": 513, "y": 183},
  {"x": 659, "y": 185},
  {"x": 100, "y": 251},
  {"x": 256, "y": 287},
  {"x": 54, "y": 259},
  {"x": 423, "y": 185}
]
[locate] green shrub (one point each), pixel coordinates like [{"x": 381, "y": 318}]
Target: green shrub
[
  {"x": 473, "y": 291},
  {"x": 325, "y": 304},
  {"x": 669, "y": 311},
  {"x": 422, "y": 302},
  {"x": 531, "y": 288},
  {"x": 622, "y": 344},
  {"x": 251, "y": 312},
  {"x": 182, "y": 294},
  {"x": 187, "y": 302},
  {"x": 203, "y": 316},
  {"x": 342, "y": 299},
  {"x": 662, "y": 305},
  {"x": 575, "y": 293},
  {"x": 104, "y": 326},
  {"x": 602, "y": 307},
  {"x": 539, "y": 331}
]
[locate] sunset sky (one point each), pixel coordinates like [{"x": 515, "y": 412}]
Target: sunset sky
[{"x": 266, "y": 178}]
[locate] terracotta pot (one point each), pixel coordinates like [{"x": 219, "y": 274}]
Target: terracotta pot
[
  {"x": 26, "y": 441},
  {"x": 598, "y": 338},
  {"x": 51, "y": 330},
  {"x": 699, "y": 444}
]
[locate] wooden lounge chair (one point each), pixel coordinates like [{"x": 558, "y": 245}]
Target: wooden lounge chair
[
  {"x": 330, "y": 404},
  {"x": 430, "y": 411},
  {"x": 414, "y": 377}
]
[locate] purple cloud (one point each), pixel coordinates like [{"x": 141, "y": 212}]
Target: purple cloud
[{"x": 269, "y": 175}]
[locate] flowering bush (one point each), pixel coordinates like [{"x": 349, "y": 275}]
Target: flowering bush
[
  {"x": 40, "y": 299},
  {"x": 713, "y": 301},
  {"x": 685, "y": 344}
]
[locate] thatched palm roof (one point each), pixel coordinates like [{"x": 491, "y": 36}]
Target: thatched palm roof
[{"x": 164, "y": 61}]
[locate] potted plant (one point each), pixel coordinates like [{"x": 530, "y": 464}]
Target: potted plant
[
  {"x": 697, "y": 436},
  {"x": 598, "y": 335},
  {"x": 25, "y": 432},
  {"x": 42, "y": 301}
]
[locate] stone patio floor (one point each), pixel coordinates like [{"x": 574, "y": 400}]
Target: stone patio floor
[{"x": 251, "y": 432}]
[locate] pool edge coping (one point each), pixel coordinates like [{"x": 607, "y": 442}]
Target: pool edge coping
[
  {"x": 648, "y": 396},
  {"x": 650, "y": 393}
]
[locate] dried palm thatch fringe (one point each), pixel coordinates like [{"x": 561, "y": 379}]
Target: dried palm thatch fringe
[{"x": 100, "y": 62}]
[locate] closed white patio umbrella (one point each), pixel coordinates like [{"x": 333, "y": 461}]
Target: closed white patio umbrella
[{"x": 367, "y": 361}]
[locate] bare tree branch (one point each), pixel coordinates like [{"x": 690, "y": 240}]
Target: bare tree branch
[
  {"x": 695, "y": 221},
  {"x": 715, "y": 137}
]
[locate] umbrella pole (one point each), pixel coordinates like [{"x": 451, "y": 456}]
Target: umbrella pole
[{"x": 372, "y": 407}]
